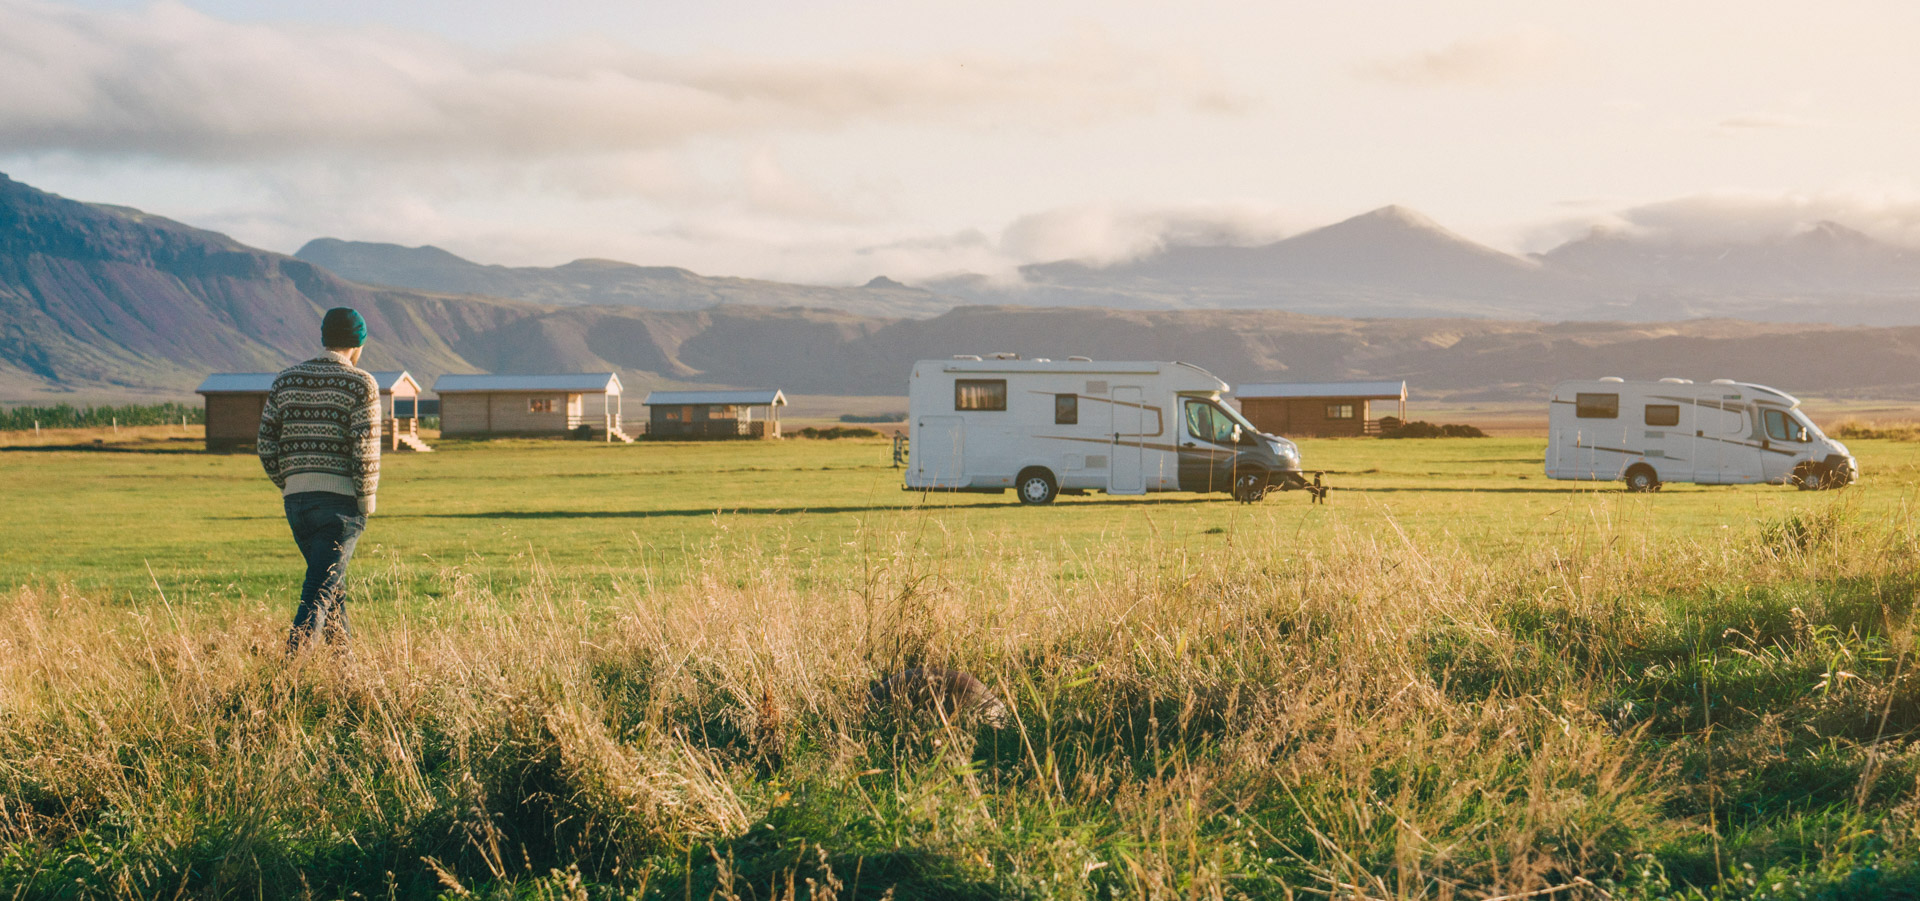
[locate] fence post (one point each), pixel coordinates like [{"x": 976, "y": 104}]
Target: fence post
[
  {"x": 36, "y": 428},
  {"x": 116, "y": 425}
]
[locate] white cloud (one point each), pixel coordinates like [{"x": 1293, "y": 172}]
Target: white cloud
[
  {"x": 170, "y": 82},
  {"x": 1888, "y": 212},
  {"x": 1765, "y": 120},
  {"x": 1105, "y": 234},
  {"x": 1478, "y": 61}
]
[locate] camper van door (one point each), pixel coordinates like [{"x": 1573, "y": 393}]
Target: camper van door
[
  {"x": 1735, "y": 459},
  {"x": 1669, "y": 419},
  {"x": 939, "y": 451},
  {"x": 1206, "y": 447},
  {"x": 1126, "y": 472}
]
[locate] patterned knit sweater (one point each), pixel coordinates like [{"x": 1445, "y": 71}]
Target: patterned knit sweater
[{"x": 320, "y": 430}]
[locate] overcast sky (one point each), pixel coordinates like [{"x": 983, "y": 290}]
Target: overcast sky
[{"x": 836, "y": 140}]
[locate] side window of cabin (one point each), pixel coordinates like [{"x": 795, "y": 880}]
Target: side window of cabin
[
  {"x": 980, "y": 394},
  {"x": 1066, "y": 409},
  {"x": 540, "y": 405},
  {"x": 1596, "y": 406},
  {"x": 1339, "y": 411},
  {"x": 1663, "y": 414}
]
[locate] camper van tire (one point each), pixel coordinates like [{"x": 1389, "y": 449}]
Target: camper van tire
[
  {"x": 1250, "y": 487},
  {"x": 1816, "y": 476},
  {"x": 1642, "y": 478},
  {"x": 1036, "y": 486}
]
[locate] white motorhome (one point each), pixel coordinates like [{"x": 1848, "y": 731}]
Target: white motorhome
[
  {"x": 1043, "y": 427},
  {"x": 1720, "y": 433}
]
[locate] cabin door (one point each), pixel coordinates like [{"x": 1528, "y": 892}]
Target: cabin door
[
  {"x": 939, "y": 447},
  {"x": 1126, "y": 471}
]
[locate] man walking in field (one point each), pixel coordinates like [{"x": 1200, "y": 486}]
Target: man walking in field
[{"x": 320, "y": 442}]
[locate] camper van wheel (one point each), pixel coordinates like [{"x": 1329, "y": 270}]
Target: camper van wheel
[
  {"x": 1250, "y": 487},
  {"x": 1642, "y": 478},
  {"x": 1036, "y": 486},
  {"x": 1811, "y": 476}
]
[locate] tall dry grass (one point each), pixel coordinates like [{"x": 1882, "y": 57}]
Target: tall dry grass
[{"x": 1603, "y": 714}]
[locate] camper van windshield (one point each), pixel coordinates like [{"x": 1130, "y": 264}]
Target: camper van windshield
[{"x": 1235, "y": 415}]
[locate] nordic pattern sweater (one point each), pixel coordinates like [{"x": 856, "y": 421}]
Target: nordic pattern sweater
[{"x": 320, "y": 430}]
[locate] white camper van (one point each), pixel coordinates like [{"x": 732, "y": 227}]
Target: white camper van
[
  {"x": 1720, "y": 433},
  {"x": 1043, "y": 427}
]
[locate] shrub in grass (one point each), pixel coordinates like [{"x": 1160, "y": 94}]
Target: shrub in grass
[{"x": 1423, "y": 429}]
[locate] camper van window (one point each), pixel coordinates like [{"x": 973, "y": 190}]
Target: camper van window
[
  {"x": 1663, "y": 414},
  {"x": 1781, "y": 428},
  {"x": 980, "y": 394},
  {"x": 1207, "y": 423},
  {"x": 1596, "y": 406},
  {"x": 1066, "y": 409}
]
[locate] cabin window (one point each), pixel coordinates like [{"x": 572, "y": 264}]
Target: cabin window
[
  {"x": 980, "y": 394},
  {"x": 1066, "y": 409},
  {"x": 1782, "y": 428},
  {"x": 1339, "y": 411},
  {"x": 540, "y": 405},
  {"x": 1663, "y": 414},
  {"x": 1596, "y": 406}
]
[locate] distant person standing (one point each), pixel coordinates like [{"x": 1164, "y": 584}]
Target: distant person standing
[{"x": 320, "y": 442}]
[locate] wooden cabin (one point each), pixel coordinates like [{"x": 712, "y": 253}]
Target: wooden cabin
[
  {"x": 235, "y": 401},
  {"x": 502, "y": 404},
  {"x": 1319, "y": 409},
  {"x": 714, "y": 414}
]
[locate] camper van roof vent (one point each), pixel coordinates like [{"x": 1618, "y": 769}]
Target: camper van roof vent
[
  {"x": 1676, "y": 381},
  {"x": 973, "y": 357},
  {"x": 1613, "y": 378},
  {"x": 1078, "y": 359},
  {"x": 1725, "y": 382},
  {"x": 1003, "y": 355}
]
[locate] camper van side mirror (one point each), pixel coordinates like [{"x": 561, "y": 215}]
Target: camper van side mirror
[{"x": 1236, "y": 435}]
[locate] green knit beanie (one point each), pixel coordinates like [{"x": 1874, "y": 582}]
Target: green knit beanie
[{"x": 343, "y": 327}]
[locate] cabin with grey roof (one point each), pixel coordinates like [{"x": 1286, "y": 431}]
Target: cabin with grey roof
[
  {"x": 581, "y": 404},
  {"x": 705, "y": 415}
]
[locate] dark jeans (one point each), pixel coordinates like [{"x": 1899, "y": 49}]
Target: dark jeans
[{"x": 325, "y": 526}]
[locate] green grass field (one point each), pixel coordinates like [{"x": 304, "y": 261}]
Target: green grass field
[
  {"x": 608, "y": 671},
  {"x": 208, "y": 528}
]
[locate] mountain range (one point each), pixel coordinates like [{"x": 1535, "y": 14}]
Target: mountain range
[
  {"x": 1391, "y": 262},
  {"x": 105, "y": 302}
]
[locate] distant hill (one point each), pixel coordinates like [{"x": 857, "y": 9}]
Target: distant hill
[
  {"x": 603, "y": 282},
  {"x": 101, "y": 301},
  {"x": 1396, "y": 262},
  {"x": 100, "y": 298},
  {"x": 1828, "y": 273},
  {"x": 1390, "y": 262}
]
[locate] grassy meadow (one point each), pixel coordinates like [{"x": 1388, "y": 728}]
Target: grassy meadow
[{"x": 589, "y": 670}]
